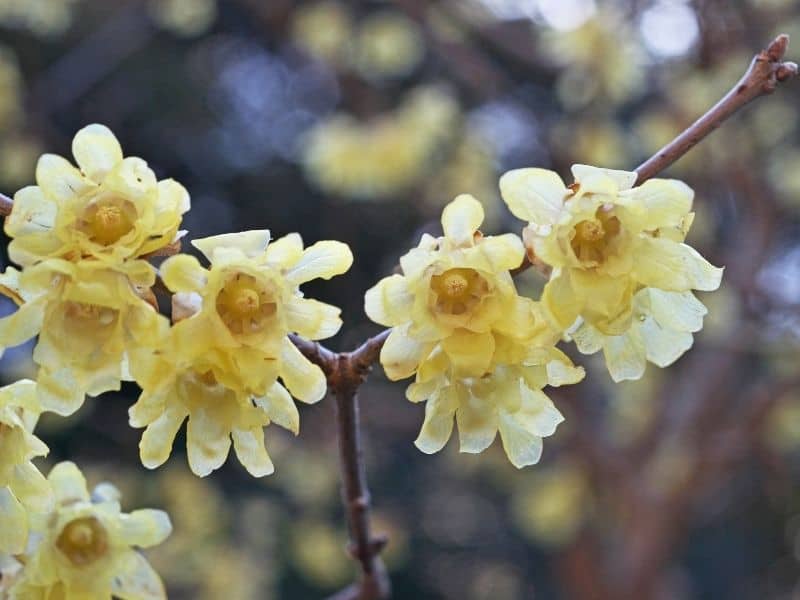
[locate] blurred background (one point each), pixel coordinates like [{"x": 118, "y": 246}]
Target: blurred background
[{"x": 359, "y": 121}]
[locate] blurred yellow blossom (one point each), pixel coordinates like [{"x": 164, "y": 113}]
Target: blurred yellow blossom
[
  {"x": 23, "y": 488},
  {"x": 220, "y": 366},
  {"x": 85, "y": 548},
  {"x": 385, "y": 156},
  {"x": 42, "y": 17},
  {"x": 621, "y": 275},
  {"x": 184, "y": 17},
  {"x": 324, "y": 30},
  {"x": 387, "y": 45}
]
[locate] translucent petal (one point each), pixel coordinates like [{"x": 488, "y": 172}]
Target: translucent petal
[
  {"x": 305, "y": 380},
  {"x": 522, "y": 447},
  {"x": 207, "y": 443},
  {"x": 625, "y": 355},
  {"x": 31, "y": 212},
  {"x": 59, "y": 391},
  {"x": 69, "y": 484},
  {"x": 401, "y": 354},
  {"x": 324, "y": 260},
  {"x": 664, "y": 264},
  {"x": 96, "y": 151},
  {"x": 592, "y": 177},
  {"x": 659, "y": 203},
  {"x": 157, "y": 439},
  {"x": 537, "y": 413},
  {"x": 312, "y": 319},
  {"x": 183, "y": 273},
  {"x": 461, "y": 219},
  {"x": 250, "y": 449},
  {"x": 280, "y": 408},
  {"x": 438, "y": 425},
  {"x": 477, "y": 424},
  {"x": 389, "y": 302},
  {"x": 13, "y": 523},
  {"x": 31, "y": 487},
  {"x": 664, "y": 346},
  {"x": 145, "y": 527},
  {"x": 534, "y": 195},
  {"x": 285, "y": 251},
  {"x": 680, "y": 311},
  {"x": 251, "y": 243},
  {"x": 471, "y": 353},
  {"x": 136, "y": 579},
  {"x": 21, "y": 325},
  {"x": 504, "y": 252},
  {"x": 560, "y": 301},
  {"x": 59, "y": 180},
  {"x": 586, "y": 338}
]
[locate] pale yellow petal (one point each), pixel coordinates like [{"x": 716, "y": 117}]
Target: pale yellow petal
[
  {"x": 59, "y": 390},
  {"x": 69, "y": 484},
  {"x": 586, "y": 338},
  {"x": 251, "y": 243},
  {"x": 471, "y": 353},
  {"x": 537, "y": 413},
  {"x": 504, "y": 252},
  {"x": 21, "y": 325},
  {"x": 136, "y": 579},
  {"x": 389, "y": 302},
  {"x": 285, "y": 251},
  {"x": 680, "y": 311},
  {"x": 280, "y": 408},
  {"x": 663, "y": 345},
  {"x": 659, "y": 203},
  {"x": 438, "y": 425},
  {"x": 594, "y": 178},
  {"x": 156, "y": 443},
  {"x": 145, "y": 527},
  {"x": 667, "y": 265},
  {"x": 625, "y": 355},
  {"x": 312, "y": 319},
  {"x": 521, "y": 446},
  {"x": 207, "y": 443},
  {"x": 31, "y": 487},
  {"x": 534, "y": 195},
  {"x": 560, "y": 301},
  {"x": 461, "y": 219},
  {"x": 477, "y": 424},
  {"x": 401, "y": 354},
  {"x": 32, "y": 212},
  {"x": 96, "y": 151},
  {"x": 59, "y": 180},
  {"x": 13, "y": 523},
  {"x": 324, "y": 260},
  {"x": 304, "y": 379},
  {"x": 251, "y": 451},
  {"x": 183, "y": 273}
]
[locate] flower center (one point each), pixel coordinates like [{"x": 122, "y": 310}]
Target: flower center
[
  {"x": 593, "y": 237},
  {"x": 106, "y": 222},
  {"x": 245, "y": 304},
  {"x": 90, "y": 312},
  {"x": 458, "y": 290},
  {"x": 83, "y": 541}
]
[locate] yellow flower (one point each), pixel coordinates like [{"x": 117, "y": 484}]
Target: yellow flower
[
  {"x": 112, "y": 209},
  {"x": 219, "y": 367},
  {"x": 388, "y": 45},
  {"x": 91, "y": 322},
  {"x": 508, "y": 399},
  {"x": 455, "y": 293},
  {"x": 607, "y": 241},
  {"x": 85, "y": 547},
  {"x": 22, "y": 487}
]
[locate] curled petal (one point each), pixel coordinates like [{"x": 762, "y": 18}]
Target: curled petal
[
  {"x": 250, "y": 243},
  {"x": 280, "y": 408},
  {"x": 286, "y": 251},
  {"x": 324, "y": 260},
  {"x": 312, "y": 319},
  {"x": 32, "y": 212},
  {"x": 664, "y": 264},
  {"x": 96, "y": 151},
  {"x": 389, "y": 302},
  {"x": 145, "y": 527},
  {"x": 157, "y": 439},
  {"x": 250, "y": 449},
  {"x": 438, "y": 425},
  {"x": 534, "y": 195},
  {"x": 21, "y": 325},
  {"x": 59, "y": 180},
  {"x": 305, "y": 380},
  {"x": 461, "y": 219},
  {"x": 69, "y": 484},
  {"x": 183, "y": 273},
  {"x": 401, "y": 354}
]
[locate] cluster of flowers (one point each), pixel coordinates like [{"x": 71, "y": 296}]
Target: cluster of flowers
[{"x": 620, "y": 280}]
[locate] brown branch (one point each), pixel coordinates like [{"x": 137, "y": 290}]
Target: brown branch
[
  {"x": 6, "y": 204},
  {"x": 766, "y": 70}
]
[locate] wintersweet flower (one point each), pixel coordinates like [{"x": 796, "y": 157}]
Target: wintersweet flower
[
  {"x": 606, "y": 241},
  {"x": 91, "y": 322},
  {"x": 455, "y": 295},
  {"x": 23, "y": 488},
  {"x": 508, "y": 399},
  {"x": 220, "y": 365},
  {"x": 111, "y": 208},
  {"x": 86, "y": 547}
]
